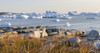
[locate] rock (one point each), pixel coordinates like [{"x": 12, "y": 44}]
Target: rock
[
  {"x": 96, "y": 44},
  {"x": 91, "y": 39},
  {"x": 11, "y": 33},
  {"x": 68, "y": 34},
  {"x": 49, "y": 41},
  {"x": 52, "y": 29},
  {"x": 2, "y": 31},
  {"x": 39, "y": 27},
  {"x": 83, "y": 34},
  {"x": 11, "y": 44},
  {"x": 38, "y": 33},
  {"x": 93, "y": 34},
  {"x": 74, "y": 41},
  {"x": 35, "y": 34},
  {"x": 53, "y": 33},
  {"x": 14, "y": 32},
  {"x": 23, "y": 31},
  {"x": 43, "y": 33},
  {"x": 76, "y": 32}
]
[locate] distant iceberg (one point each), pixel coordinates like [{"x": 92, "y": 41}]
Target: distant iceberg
[
  {"x": 22, "y": 17},
  {"x": 50, "y": 14},
  {"x": 73, "y": 13},
  {"x": 53, "y": 14}
]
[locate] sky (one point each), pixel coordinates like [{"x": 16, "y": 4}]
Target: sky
[{"x": 40, "y": 6}]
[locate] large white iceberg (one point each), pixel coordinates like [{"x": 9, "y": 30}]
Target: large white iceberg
[{"x": 50, "y": 14}]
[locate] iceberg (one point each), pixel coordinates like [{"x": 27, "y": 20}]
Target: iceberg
[
  {"x": 25, "y": 16},
  {"x": 21, "y": 17},
  {"x": 73, "y": 13},
  {"x": 50, "y": 14},
  {"x": 36, "y": 16}
]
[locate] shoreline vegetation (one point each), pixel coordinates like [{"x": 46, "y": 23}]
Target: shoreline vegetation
[{"x": 47, "y": 40}]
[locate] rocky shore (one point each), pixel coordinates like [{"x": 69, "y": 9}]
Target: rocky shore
[{"x": 52, "y": 36}]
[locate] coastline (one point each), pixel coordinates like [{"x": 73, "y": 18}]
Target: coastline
[{"x": 49, "y": 39}]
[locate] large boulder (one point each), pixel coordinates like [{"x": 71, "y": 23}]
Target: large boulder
[
  {"x": 74, "y": 41},
  {"x": 38, "y": 34},
  {"x": 35, "y": 34},
  {"x": 93, "y": 34}
]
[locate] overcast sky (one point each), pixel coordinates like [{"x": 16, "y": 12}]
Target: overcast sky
[{"x": 40, "y": 6}]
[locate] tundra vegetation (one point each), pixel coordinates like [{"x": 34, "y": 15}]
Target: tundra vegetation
[{"x": 49, "y": 41}]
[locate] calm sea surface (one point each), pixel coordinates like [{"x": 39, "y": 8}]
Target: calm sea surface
[{"x": 77, "y": 22}]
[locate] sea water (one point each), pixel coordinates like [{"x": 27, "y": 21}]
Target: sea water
[{"x": 77, "y": 22}]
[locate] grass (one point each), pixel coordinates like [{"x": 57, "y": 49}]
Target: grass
[{"x": 25, "y": 44}]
